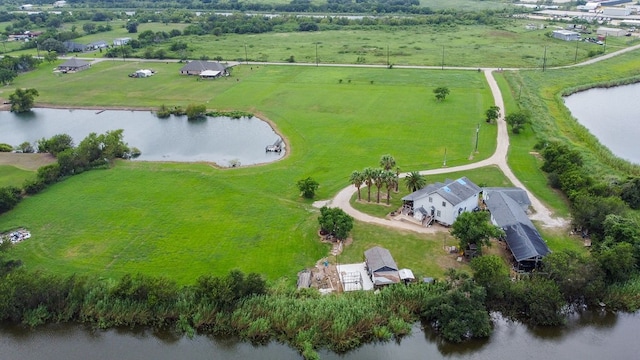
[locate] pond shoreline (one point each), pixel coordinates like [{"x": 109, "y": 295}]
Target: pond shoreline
[{"x": 100, "y": 109}]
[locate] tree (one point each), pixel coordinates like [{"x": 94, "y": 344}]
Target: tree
[
  {"x": 52, "y": 44},
  {"x": 441, "y": 92},
  {"x": 7, "y": 76},
  {"x": 415, "y": 181},
  {"x": 618, "y": 262},
  {"x": 308, "y": 187},
  {"x": 492, "y": 113},
  {"x": 335, "y": 222},
  {"x": 387, "y": 162},
  {"x": 378, "y": 181},
  {"x": 579, "y": 276},
  {"x": 26, "y": 147},
  {"x": 89, "y": 28},
  {"x": 630, "y": 193},
  {"x": 9, "y": 197},
  {"x": 195, "y": 112},
  {"x": 390, "y": 182},
  {"x": 474, "y": 228},
  {"x": 356, "y": 179},
  {"x": 51, "y": 56},
  {"x": 491, "y": 272},
  {"x": 132, "y": 27},
  {"x": 22, "y": 100},
  {"x": 55, "y": 144},
  {"x": 518, "y": 120},
  {"x": 368, "y": 175}
]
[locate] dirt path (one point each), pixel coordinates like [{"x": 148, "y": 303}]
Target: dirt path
[{"x": 499, "y": 158}]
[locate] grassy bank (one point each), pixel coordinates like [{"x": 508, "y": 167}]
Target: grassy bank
[{"x": 183, "y": 220}]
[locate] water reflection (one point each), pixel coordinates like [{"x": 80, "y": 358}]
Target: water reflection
[
  {"x": 587, "y": 336},
  {"x": 222, "y": 140}
]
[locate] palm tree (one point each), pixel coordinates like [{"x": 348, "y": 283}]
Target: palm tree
[
  {"x": 356, "y": 179},
  {"x": 415, "y": 181},
  {"x": 391, "y": 182},
  {"x": 368, "y": 174},
  {"x": 378, "y": 181},
  {"x": 387, "y": 162}
]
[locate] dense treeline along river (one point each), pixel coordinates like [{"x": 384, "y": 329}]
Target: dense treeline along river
[
  {"x": 612, "y": 115},
  {"x": 596, "y": 336},
  {"x": 221, "y": 140}
]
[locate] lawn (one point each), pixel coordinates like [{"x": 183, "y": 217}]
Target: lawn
[
  {"x": 12, "y": 176},
  {"x": 184, "y": 220}
]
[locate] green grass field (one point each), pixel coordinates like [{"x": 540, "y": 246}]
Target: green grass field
[
  {"x": 183, "y": 220},
  {"x": 12, "y": 176}
]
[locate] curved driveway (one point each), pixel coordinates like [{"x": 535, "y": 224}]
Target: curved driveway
[{"x": 499, "y": 158}]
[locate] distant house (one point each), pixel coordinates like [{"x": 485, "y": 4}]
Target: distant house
[
  {"x": 507, "y": 207},
  {"x": 26, "y": 7},
  {"x": 97, "y": 45},
  {"x": 71, "y": 46},
  {"x": 121, "y": 41},
  {"x": 74, "y": 65},
  {"x": 442, "y": 202},
  {"x": 566, "y": 35},
  {"x": 206, "y": 68},
  {"x": 60, "y": 3},
  {"x": 381, "y": 267}
]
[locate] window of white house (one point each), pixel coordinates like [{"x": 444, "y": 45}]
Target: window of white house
[
  {"x": 430, "y": 199},
  {"x": 438, "y": 213},
  {"x": 444, "y": 204}
]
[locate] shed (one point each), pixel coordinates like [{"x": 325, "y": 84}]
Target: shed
[
  {"x": 304, "y": 279},
  {"x": 73, "y": 65},
  {"x": 381, "y": 267},
  {"x": 121, "y": 41},
  {"x": 406, "y": 275},
  {"x": 566, "y": 35}
]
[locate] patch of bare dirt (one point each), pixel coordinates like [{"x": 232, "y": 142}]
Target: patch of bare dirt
[{"x": 26, "y": 161}]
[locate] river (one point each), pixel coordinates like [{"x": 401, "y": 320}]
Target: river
[
  {"x": 612, "y": 115},
  {"x": 589, "y": 336},
  {"x": 222, "y": 140}
]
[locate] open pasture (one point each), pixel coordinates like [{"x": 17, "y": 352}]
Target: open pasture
[{"x": 183, "y": 220}]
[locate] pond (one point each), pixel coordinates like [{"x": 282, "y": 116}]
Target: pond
[
  {"x": 612, "y": 115},
  {"x": 589, "y": 336},
  {"x": 222, "y": 140}
]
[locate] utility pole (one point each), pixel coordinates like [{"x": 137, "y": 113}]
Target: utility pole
[
  {"x": 477, "y": 135},
  {"x": 122, "y": 48},
  {"x": 37, "y": 48},
  {"x": 544, "y": 59},
  {"x": 246, "y": 57},
  {"x": 605, "y": 44},
  {"x": 442, "y": 57},
  {"x": 316, "y": 54},
  {"x": 575, "y": 59}
]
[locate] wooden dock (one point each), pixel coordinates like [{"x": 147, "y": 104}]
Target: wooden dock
[{"x": 275, "y": 147}]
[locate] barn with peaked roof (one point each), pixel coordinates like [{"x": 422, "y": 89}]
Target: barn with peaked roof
[
  {"x": 381, "y": 267},
  {"x": 198, "y": 67},
  {"x": 523, "y": 240},
  {"x": 443, "y": 202}
]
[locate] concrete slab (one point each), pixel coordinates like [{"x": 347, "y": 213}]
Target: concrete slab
[{"x": 349, "y": 273}]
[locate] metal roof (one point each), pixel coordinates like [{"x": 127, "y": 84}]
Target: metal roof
[
  {"x": 522, "y": 237},
  {"x": 380, "y": 259},
  {"x": 454, "y": 191},
  {"x": 517, "y": 194},
  {"x": 75, "y": 63}
]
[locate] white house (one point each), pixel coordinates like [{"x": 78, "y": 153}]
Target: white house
[
  {"x": 442, "y": 202},
  {"x": 121, "y": 41},
  {"x": 60, "y": 3}
]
